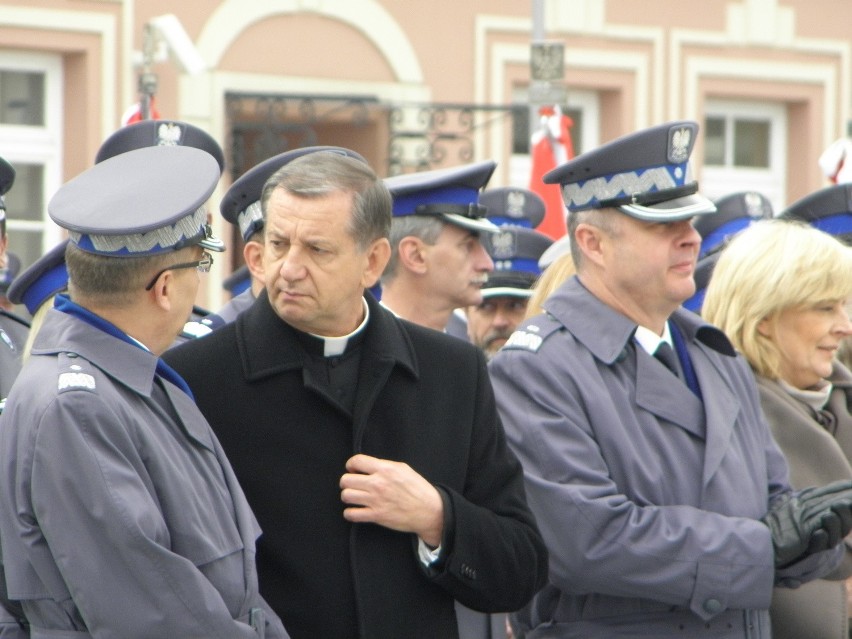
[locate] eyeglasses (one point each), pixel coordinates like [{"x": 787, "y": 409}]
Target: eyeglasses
[{"x": 203, "y": 265}]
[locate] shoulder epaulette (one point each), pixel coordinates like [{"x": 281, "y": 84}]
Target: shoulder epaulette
[
  {"x": 530, "y": 335},
  {"x": 74, "y": 373}
]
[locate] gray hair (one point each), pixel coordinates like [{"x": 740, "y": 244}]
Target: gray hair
[
  {"x": 599, "y": 218},
  {"x": 318, "y": 174},
  {"x": 425, "y": 227},
  {"x": 112, "y": 281}
]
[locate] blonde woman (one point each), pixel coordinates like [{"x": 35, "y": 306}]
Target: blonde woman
[
  {"x": 36, "y": 287},
  {"x": 779, "y": 291},
  {"x": 550, "y": 279}
]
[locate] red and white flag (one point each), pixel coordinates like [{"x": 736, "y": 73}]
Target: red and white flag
[
  {"x": 550, "y": 146},
  {"x": 134, "y": 113},
  {"x": 836, "y": 161}
]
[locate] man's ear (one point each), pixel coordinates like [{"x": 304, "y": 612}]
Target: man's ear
[
  {"x": 253, "y": 256},
  {"x": 162, "y": 290},
  {"x": 413, "y": 254},
  {"x": 377, "y": 255},
  {"x": 590, "y": 240}
]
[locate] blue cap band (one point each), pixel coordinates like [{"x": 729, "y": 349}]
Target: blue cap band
[
  {"x": 723, "y": 232},
  {"x": 837, "y": 224},
  {"x": 407, "y": 204},
  {"x": 48, "y": 283},
  {"x": 522, "y": 222},
  {"x": 517, "y": 264}
]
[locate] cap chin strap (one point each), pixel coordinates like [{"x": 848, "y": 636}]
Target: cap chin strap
[
  {"x": 649, "y": 199},
  {"x": 472, "y": 211}
]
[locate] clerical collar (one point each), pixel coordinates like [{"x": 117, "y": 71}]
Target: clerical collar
[
  {"x": 649, "y": 340},
  {"x": 337, "y": 345}
]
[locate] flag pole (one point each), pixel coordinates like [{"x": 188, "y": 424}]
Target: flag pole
[
  {"x": 147, "y": 79},
  {"x": 550, "y": 141}
]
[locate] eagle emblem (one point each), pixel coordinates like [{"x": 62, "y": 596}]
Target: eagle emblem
[
  {"x": 680, "y": 141},
  {"x": 754, "y": 206},
  {"x": 515, "y": 202},
  {"x": 502, "y": 245},
  {"x": 169, "y": 134}
]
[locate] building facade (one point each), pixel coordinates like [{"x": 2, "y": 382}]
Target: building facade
[{"x": 415, "y": 85}]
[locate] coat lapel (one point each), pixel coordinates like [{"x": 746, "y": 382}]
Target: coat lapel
[
  {"x": 721, "y": 408},
  {"x": 386, "y": 345},
  {"x": 666, "y": 396},
  {"x": 188, "y": 416}
]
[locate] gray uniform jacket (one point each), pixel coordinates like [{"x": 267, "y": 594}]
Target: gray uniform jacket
[
  {"x": 119, "y": 514},
  {"x": 817, "y": 610},
  {"x": 228, "y": 313},
  {"x": 13, "y": 336},
  {"x": 647, "y": 498}
]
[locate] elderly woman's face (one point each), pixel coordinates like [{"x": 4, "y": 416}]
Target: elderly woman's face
[{"x": 807, "y": 339}]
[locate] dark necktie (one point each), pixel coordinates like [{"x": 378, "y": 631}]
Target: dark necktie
[{"x": 667, "y": 356}]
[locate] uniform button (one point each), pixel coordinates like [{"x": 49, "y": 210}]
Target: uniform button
[{"x": 712, "y": 606}]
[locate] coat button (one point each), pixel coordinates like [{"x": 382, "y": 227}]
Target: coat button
[{"x": 712, "y": 606}]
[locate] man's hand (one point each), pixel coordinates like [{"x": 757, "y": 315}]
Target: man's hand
[
  {"x": 393, "y": 495},
  {"x": 810, "y": 521}
]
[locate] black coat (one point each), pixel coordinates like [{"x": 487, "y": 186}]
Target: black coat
[{"x": 423, "y": 398}]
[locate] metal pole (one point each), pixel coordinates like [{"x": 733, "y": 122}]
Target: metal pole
[
  {"x": 538, "y": 20},
  {"x": 147, "y": 79}
]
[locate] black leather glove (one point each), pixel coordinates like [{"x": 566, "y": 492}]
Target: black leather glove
[{"x": 810, "y": 521}]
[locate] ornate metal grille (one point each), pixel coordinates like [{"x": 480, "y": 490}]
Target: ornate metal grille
[{"x": 408, "y": 136}]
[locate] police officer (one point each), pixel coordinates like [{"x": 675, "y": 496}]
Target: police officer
[
  {"x": 513, "y": 206},
  {"x": 437, "y": 261},
  {"x": 120, "y": 515},
  {"x": 37, "y": 286},
  {"x": 827, "y": 209},
  {"x": 241, "y": 207},
  {"x": 660, "y": 492},
  {"x": 13, "y": 329},
  {"x": 167, "y": 133},
  {"x": 515, "y": 252},
  {"x": 507, "y": 206},
  {"x": 7, "y": 274},
  {"x": 734, "y": 212}
]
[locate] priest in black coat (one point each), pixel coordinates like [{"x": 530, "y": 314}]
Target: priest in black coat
[{"x": 369, "y": 448}]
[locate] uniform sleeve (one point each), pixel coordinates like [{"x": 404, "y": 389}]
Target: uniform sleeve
[
  {"x": 601, "y": 542},
  {"x": 99, "y": 513},
  {"x": 496, "y": 558}
]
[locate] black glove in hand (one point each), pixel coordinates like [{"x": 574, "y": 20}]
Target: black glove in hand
[{"x": 810, "y": 521}]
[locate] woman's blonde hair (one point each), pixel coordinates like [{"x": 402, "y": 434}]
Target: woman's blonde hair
[
  {"x": 771, "y": 266},
  {"x": 552, "y": 278}
]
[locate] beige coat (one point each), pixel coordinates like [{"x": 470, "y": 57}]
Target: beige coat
[{"x": 816, "y": 610}]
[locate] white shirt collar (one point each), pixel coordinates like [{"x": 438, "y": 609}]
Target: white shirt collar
[
  {"x": 337, "y": 345},
  {"x": 649, "y": 340}
]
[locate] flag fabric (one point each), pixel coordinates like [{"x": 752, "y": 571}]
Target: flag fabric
[
  {"x": 836, "y": 161},
  {"x": 134, "y": 113},
  {"x": 550, "y": 146}
]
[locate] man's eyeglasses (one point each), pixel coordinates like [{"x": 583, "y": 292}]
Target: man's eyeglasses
[{"x": 203, "y": 265}]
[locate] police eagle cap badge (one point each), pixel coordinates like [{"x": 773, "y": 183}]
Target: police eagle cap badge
[
  {"x": 680, "y": 141},
  {"x": 169, "y": 134},
  {"x": 503, "y": 245}
]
